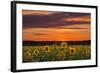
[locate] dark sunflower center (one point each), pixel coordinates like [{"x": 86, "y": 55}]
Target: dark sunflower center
[
  {"x": 27, "y": 54},
  {"x": 35, "y": 51},
  {"x": 46, "y": 49},
  {"x": 72, "y": 51},
  {"x": 63, "y": 45}
]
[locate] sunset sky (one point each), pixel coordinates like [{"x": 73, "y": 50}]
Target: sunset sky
[{"x": 56, "y": 26}]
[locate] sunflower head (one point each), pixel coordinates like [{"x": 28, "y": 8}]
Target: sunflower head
[
  {"x": 27, "y": 49},
  {"x": 27, "y": 55},
  {"x": 72, "y": 51},
  {"x": 63, "y": 45},
  {"x": 54, "y": 46},
  {"x": 87, "y": 51},
  {"x": 26, "y": 52},
  {"x": 36, "y": 52},
  {"x": 46, "y": 49},
  {"x": 61, "y": 55}
]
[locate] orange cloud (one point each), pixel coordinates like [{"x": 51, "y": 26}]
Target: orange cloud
[{"x": 84, "y": 18}]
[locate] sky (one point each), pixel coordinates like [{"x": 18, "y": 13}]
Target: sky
[{"x": 56, "y": 26}]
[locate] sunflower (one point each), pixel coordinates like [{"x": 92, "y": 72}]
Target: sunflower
[
  {"x": 27, "y": 50},
  {"x": 72, "y": 51},
  {"x": 54, "y": 46},
  {"x": 63, "y": 45},
  {"x": 36, "y": 52},
  {"x": 47, "y": 49},
  {"x": 27, "y": 55},
  {"x": 87, "y": 51},
  {"x": 61, "y": 55}
]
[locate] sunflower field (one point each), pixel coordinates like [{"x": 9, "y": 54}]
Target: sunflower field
[{"x": 56, "y": 52}]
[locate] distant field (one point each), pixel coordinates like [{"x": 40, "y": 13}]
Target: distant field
[{"x": 55, "y": 52}]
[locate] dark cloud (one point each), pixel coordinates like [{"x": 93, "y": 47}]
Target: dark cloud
[
  {"x": 52, "y": 20},
  {"x": 36, "y": 33}
]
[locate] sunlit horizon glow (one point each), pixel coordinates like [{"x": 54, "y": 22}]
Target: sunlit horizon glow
[{"x": 56, "y": 26}]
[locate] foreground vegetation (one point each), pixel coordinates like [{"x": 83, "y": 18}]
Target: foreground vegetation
[{"x": 56, "y": 52}]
